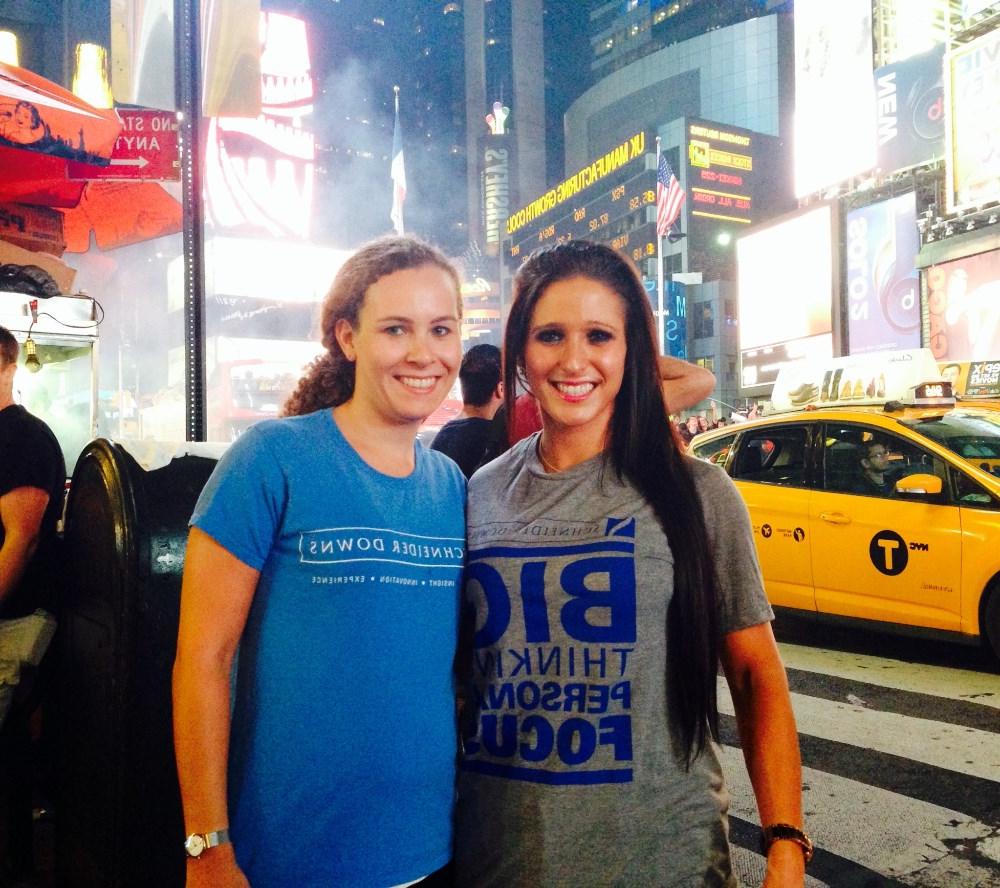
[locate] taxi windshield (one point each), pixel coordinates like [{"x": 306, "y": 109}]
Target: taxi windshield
[{"x": 973, "y": 436}]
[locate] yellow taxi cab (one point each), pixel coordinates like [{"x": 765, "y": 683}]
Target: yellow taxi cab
[{"x": 874, "y": 497}]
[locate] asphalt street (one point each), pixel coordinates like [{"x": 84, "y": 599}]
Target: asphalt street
[{"x": 900, "y": 745}]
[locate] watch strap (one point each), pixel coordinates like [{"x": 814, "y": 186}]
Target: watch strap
[
  {"x": 218, "y": 837},
  {"x": 776, "y": 831}
]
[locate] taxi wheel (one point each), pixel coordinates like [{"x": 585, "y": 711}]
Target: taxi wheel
[{"x": 991, "y": 617}]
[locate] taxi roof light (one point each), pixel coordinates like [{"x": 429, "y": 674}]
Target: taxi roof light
[{"x": 905, "y": 378}]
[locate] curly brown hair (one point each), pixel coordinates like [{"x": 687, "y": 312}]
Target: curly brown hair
[{"x": 329, "y": 380}]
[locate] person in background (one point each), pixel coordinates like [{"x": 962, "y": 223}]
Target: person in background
[
  {"x": 623, "y": 572},
  {"x": 875, "y": 477},
  {"x": 328, "y": 545},
  {"x": 683, "y": 384},
  {"x": 464, "y": 438},
  {"x": 32, "y": 481}
]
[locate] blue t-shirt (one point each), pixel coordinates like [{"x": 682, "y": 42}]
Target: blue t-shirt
[{"x": 342, "y": 754}]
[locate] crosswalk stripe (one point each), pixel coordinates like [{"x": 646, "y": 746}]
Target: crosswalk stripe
[
  {"x": 940, "y": 681},
  {"x": 887, "y": 832},
  {"x": 961, "y": 713},
  {"x": 942, "y": 745}
]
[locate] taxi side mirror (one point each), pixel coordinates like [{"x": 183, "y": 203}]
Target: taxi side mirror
[{"x": 919, "y": 485}]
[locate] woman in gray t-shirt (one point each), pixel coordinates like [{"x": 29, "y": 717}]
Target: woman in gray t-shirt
[{"x": 607, "y": 575}]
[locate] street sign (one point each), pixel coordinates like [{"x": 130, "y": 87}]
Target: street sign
[{"x": 146, "y": 148}]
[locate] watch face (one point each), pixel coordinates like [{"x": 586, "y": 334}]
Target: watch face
[{"x": 194, "y": 845}]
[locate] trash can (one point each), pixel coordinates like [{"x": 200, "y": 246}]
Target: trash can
[{"x": 118, "y": 813}]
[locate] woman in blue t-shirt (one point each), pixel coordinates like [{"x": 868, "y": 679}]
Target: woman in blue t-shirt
[{"x": 328, "y": 545}]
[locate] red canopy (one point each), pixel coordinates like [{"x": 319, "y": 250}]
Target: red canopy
[{"x": 43, "y": 129}]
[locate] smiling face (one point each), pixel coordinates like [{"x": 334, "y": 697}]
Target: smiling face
[
  {"x": 574, "y": 357},
  {"x": 406, "y": 345}
]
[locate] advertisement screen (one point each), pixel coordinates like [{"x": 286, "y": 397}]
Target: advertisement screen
[
  {"x": 910, "y": 106},
  {"x": 834, "y": 93},
  {"x": 971, "y": 7},
  {"x": 963, "y": 300},
  {"x": 786, "y": 280},
  {"x": 973, "y": 155},
  {"x": 883, "y": 290}
]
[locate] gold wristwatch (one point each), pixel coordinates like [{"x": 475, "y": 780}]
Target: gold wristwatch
[
  {"x": 198, "y": 843},
  {"x": 786, "y": 831}
]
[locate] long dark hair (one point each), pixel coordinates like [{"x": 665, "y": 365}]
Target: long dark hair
[
  {"x": 642, "y": 449},
  {"x": 329, "y": 380}
]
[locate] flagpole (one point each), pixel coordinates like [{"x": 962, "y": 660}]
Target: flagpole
[
  {"x": 659, "y": 267},
  {"x": 395, "y": 90}
]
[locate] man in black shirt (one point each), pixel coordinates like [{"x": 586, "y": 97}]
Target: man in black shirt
[
  {"x": 464, "y": 439},
  {"x": 32, "y": 478}
]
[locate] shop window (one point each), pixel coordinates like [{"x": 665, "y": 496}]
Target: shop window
[
  {"x": 729, "y": 312},
  {"x": 702, "y": 317}
]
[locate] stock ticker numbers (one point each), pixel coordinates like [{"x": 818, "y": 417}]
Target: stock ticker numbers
[{"x": 604, "y": 219}]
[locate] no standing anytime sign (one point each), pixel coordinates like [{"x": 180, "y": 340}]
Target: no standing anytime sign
[{"x": 146, "y": 148}]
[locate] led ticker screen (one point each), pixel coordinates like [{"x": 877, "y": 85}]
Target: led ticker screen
[
  {"x": 883, "y": 291},
  {"x": 721, "y": 175},
  {"x": 972, "y": 84},
  {"x": 597, "y": 219}
]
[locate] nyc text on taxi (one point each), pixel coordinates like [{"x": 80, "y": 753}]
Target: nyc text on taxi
[{"x": 914, "y": 547}]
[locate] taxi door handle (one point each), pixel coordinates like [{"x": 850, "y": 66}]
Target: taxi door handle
[{"x": 835, "y": 517}]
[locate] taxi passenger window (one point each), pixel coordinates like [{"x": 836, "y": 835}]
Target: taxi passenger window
[
  {"x": 774, "y": 455},
  {"x": 971, "y": 494},
  {"x": 715, "y": 451},
  {"x": 868, "y": 462}
]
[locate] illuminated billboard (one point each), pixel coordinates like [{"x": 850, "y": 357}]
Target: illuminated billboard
[
  {"x": 883, "y": 289},
  {"x": 834, "y": 93},
  {"x": 972, "y": 83},
  {"x": 497, "y": 175},
  {"x": 971, "y": 7},
  {"x": 620, "y": 156},
  {"x": 963, "y": 300},
  {"x": 259, "y": 171},
  {"x": 786, "y": 284},
  {"x": 721, "y": 174},
  {"x": 910, "y": 111}
]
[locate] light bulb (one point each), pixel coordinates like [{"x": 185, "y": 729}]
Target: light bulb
[
  {"x": 8, "y": 48},
  {"x": 90, "y": 82},
  {"x": 31, "y": 362}
]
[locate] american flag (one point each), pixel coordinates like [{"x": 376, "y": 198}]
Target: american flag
[
  {"x": 398, "y": 174},
  {"x": 669, "y": 197}
]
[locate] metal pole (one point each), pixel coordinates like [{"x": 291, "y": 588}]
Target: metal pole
[
  {"x": 659, "y": 262},
  {"x": 188, "y": 91}
]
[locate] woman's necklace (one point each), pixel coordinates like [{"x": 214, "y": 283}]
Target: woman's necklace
[{"x": 545, "y": 463}]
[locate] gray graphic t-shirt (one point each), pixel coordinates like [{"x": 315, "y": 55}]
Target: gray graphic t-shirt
[{"x": 568, "y": 774}]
